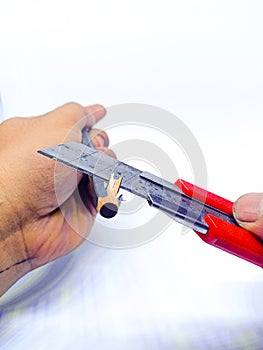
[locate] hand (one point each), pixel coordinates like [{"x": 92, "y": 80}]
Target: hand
[
  {"x": 248, "y": 211},
  {"x": 34, "y": 228}
]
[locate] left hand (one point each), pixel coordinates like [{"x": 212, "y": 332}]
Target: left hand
[{"x": 34, "y": 227}]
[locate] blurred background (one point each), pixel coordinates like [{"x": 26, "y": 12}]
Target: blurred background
[{"x": 201, "y": 61}]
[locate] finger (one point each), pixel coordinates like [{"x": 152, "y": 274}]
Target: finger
[
  {"x": 107, "y": 151},
  {"x": 94, "y": 114},
  {"x": 248, "y": 211},
  {"x": 70, "y": 113},
  {"x": 73, "y": 114},
  {"x": 99, "y": 138}
]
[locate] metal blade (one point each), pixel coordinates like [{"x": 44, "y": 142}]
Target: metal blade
[{"x": 159, "y": 193}]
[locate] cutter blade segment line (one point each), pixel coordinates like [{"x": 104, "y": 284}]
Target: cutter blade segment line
[{"x": 158, "y": 192}]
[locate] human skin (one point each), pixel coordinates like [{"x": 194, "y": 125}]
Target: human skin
[
  {"x": 45, "y": 207},
  {"x": 34, "y": 228},
  {"x": 248, "y": 211}
]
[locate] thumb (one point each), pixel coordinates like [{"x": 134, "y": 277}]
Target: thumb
[{"x": 248, "y": 211}]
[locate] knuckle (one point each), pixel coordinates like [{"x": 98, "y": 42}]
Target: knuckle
[
  {"x": 74, "y": 107},
  {"x": 66, "y": 115}
]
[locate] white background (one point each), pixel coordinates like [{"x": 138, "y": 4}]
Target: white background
[{"x": 202, "y": 61}]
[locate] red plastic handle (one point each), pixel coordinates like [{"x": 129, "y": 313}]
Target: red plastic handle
[{"x": 223, "y": 235}]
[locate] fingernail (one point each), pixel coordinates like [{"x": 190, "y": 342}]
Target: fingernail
[
  {"x": 100, "y": 141},
  {"x": 249, "y": 208}
]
